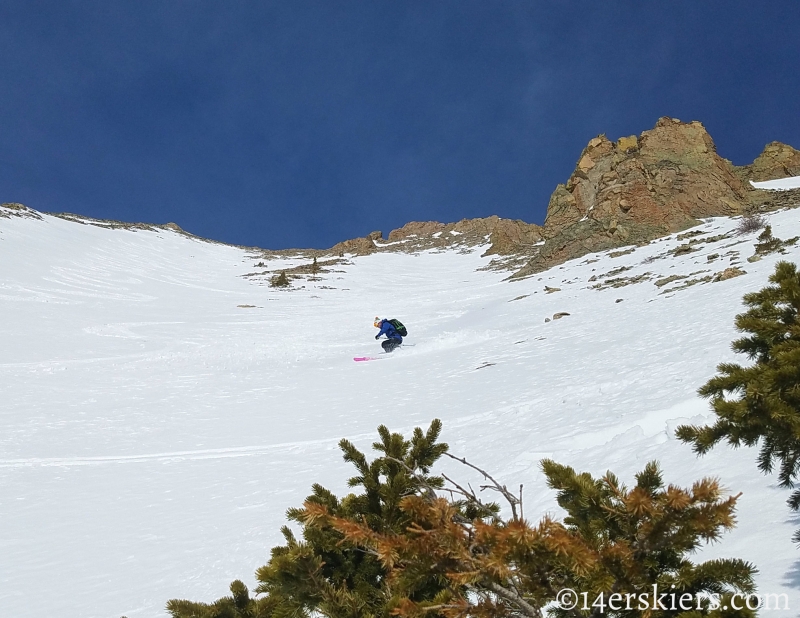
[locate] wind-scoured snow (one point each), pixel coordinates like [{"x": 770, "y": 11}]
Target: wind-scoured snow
[
  {"x": 161, "y": 411},
  {"x": 781, "y": 184}
]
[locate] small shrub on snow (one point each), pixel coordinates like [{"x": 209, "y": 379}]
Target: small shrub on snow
[{"x": 750, "y": 223}]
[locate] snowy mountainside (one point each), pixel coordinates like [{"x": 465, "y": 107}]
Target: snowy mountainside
[{"x": 162, "y": 410}]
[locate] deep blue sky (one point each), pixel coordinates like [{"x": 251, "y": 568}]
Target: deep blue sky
[{"x": 300, "y": 124}]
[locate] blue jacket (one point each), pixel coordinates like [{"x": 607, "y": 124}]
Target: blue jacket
[{"x": 388, "y": 330}]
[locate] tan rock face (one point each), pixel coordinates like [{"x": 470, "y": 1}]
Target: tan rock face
[
  {"x": 638, "y": 189},
  {"x": 627, "y": 144},
  {"x": 506, "y": 236},
  {"x": 673, "y": 175},
  {"x": 621, "y": 193},
  {"x": 776, "y": 161},
  {"x": 512, "y": 236},
  {"x": 416, "y": 228},
  {"x": 357, "y": 246}
]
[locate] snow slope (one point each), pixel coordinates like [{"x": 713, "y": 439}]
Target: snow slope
[
  {"x": 153, "y": 431},
  {"x": 781, "y": 184}
]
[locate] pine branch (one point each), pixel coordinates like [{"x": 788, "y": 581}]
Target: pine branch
[{"x": 430, "y": 489}]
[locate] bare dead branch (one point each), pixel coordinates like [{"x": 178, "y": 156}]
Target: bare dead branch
[
  {"x": 431, "y": 491},
  {"x": 436, "y": 608},
  {"x": 470, "y": 496},
  {"x": 512, "y": 597},
  {"x": 502, "y": 489}
]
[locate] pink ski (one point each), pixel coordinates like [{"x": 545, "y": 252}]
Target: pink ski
[{"x": 364, "y": 358}]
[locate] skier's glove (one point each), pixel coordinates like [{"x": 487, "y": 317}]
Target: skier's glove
[{"x": 377, "y": 337}]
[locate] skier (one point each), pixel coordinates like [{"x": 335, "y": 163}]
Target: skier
[{"x": 393, "y": 336}]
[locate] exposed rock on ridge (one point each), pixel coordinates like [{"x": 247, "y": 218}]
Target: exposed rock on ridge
[
  {"x": 357, "y": 246},
  {"x": 15, "y": 209},
  {"x": 621, "y": 193},
  {"x": 505, "y": 236},
  {"x": 776, "y": 161},
  {"x": 637, "y": 189}
]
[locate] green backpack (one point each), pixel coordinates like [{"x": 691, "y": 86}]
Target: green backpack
[{"x": 398, "y": 326}]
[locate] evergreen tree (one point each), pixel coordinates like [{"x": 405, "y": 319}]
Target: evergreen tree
[
  {"x": 238, "y": 605},
  {"x": 641, "y": 538},
  {"x": 761, "y": 403},
  {"x": 407, "y": 545},
  {"x": 767, "y": 243},
  {"x": 280, "y": 280},
  {"x": 613, "y": 541},
  {"x": 314, "y": 266},
  {"x": 318, "y": 573}
]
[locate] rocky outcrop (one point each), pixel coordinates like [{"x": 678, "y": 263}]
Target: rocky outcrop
[
  {"x": 640, "y": 188},
  {"x": 355, "y": 246},
  {"x": 419, "y": 229},
  {"x": 513, "y": 236},
  {"x": 728, "y": 273},
  {"x": 776, "y": 161},
  {"x": 505, "y": 236},
  {"x": 621, "y": 193}
]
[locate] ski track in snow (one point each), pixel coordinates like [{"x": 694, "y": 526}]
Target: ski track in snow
[{"x": 154, "y": 432}]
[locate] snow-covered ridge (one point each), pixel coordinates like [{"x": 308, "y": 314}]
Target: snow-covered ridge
[{"x": 162, "y": 410}]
